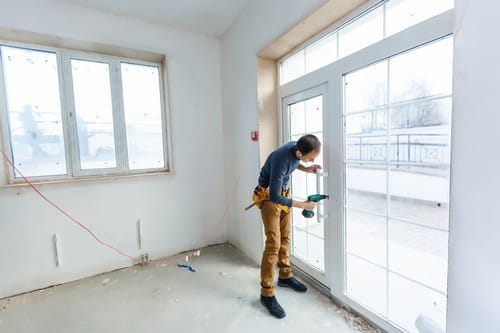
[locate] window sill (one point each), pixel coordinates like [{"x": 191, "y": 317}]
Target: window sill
[{"x": 85, "y": 179}]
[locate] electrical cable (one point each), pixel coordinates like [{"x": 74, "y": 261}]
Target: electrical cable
[
  {"x": 203, "y": 244},
  {"x": 81, "y": 225}
]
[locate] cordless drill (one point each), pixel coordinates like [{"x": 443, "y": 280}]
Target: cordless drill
[{"x": 314, "y": 198}]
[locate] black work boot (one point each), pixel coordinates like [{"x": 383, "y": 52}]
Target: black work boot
[
  {"x": 292, "y": 283},
  {"x": 272, "y": 305}
]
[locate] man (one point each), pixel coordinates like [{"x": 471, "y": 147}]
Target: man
[{"x": 272, "y": 196}]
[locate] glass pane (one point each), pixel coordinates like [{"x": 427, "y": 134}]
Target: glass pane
[
  {"x": 34, "y": 111},
  {"x": 297, "y": 118},
  {"x": 299, "y": 185},
  {"x": 319, "y": 160},
  {"x": 321, "y": 53},
  {"x": 316, "y": 228},
  {"x": 430, "y": 116},
  {"x": 423, "y": 301},
  {"x": 298, "y": 220},
  {"x": 316, "y": 252},
  {"x": 142, "y": 105},
  {"x": 363, "y": 142},
  {"x": 94, "y": 112},
  {"x": 366, "y": 88},
  {"x": 366, "y": 122},
  {"x": 419, "y": 196},
  {"x": 366, "y": 284},
  {"x": 309, "y": 225},
  {"x": 314, "y": 115},
  {"x": 420, "y": 154},
  {"x": 422, "y": 72},
  {"x": 366, "y": 187},
  {"x": 401, "y": 14},
  {"x": 366, "y": 236},
  {"x": 362, "y": 32},
  {"x": 295, "y": 137},
  {"x": 419, "y": 253},
  {"x": 303, "y": 185},
  {"x": 293, "y": 67},
  {"x": 311, "y": 182},
  {"x": 300, "y": 244}
]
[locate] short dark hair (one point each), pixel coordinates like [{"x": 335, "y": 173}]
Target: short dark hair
[{"x": 308, "y": 143}]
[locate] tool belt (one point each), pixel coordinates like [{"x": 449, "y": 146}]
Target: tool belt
[{"x": 261, "y": 194}]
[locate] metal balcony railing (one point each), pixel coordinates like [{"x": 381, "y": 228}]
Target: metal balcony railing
[{"x": 430, "y": 150}]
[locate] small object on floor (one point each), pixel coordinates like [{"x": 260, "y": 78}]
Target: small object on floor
[
  {"x": 426, "y": 324},
  {"x": 292, "y": 283},
  {"x": 196, "y": 253},
  {"x": 272, "y": 305},
  {"x": 144, "y": 260},
  {"x": 105, "y": 281},
  {"x": 188, "y": 267}
]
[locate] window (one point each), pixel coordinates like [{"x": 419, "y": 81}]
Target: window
[
  {"x": 397, "y": 168},
  {"x": 34, "y": 111},
  {"x": 382, "y": 20},
  {"x": 70, "y": 114}
]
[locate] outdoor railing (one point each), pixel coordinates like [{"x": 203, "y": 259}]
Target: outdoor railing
[{"x": 429, "y": 150}]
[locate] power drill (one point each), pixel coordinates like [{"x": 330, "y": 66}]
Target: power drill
[{"x": 314, "y": 198}]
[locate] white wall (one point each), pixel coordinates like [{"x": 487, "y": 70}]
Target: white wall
[
  {"x": 474, "y": 249},
  {"x": 178, "y": 211},
  {"x": 261, "y": 22}
]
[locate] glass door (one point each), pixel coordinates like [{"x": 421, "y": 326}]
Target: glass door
[
  {"x": 397, "y": 124},
  {"x": 303, "y": 114}
]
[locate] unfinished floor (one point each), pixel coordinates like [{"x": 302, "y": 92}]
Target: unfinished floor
[{"x": 221, "y": 296}]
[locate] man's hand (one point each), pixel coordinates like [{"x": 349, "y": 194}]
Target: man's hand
[
  {"x": 311, "y": 169},
  {"x": 308, "y": 205}
]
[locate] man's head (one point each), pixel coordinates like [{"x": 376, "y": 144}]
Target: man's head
[{"x": 308, "y": 148}]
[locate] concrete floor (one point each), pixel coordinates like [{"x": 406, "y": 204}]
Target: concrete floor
[{"x": 221, "y": 296}]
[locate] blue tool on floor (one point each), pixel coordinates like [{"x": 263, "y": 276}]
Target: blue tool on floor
[{"x": 188, "y": 267}]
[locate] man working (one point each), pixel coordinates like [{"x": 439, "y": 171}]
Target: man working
[{"x": 272, "y": 196}]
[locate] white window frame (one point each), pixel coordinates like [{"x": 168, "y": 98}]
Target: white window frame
[
  {"x": 334, "y": 29},
  {"x": 72, "y": 156}
]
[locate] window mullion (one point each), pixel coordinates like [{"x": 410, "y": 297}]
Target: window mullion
[
  {"x": 119, "y": 117},
  {"x": 66, "y": 105},
  {"x": 70, "y": 116}
]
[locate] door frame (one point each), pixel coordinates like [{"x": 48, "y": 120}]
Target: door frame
[{"x": 318, "y": 90}]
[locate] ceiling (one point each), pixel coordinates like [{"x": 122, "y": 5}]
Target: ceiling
[{"x": 208, "y": 17}]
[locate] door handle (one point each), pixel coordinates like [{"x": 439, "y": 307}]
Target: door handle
[{"x": 320, "y": 207}]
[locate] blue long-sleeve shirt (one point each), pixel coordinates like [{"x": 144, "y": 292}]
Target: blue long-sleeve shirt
[{"x": 276, "y": 172}]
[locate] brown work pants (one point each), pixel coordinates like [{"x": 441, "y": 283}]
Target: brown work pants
[{"x": 277, "y": 230}]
